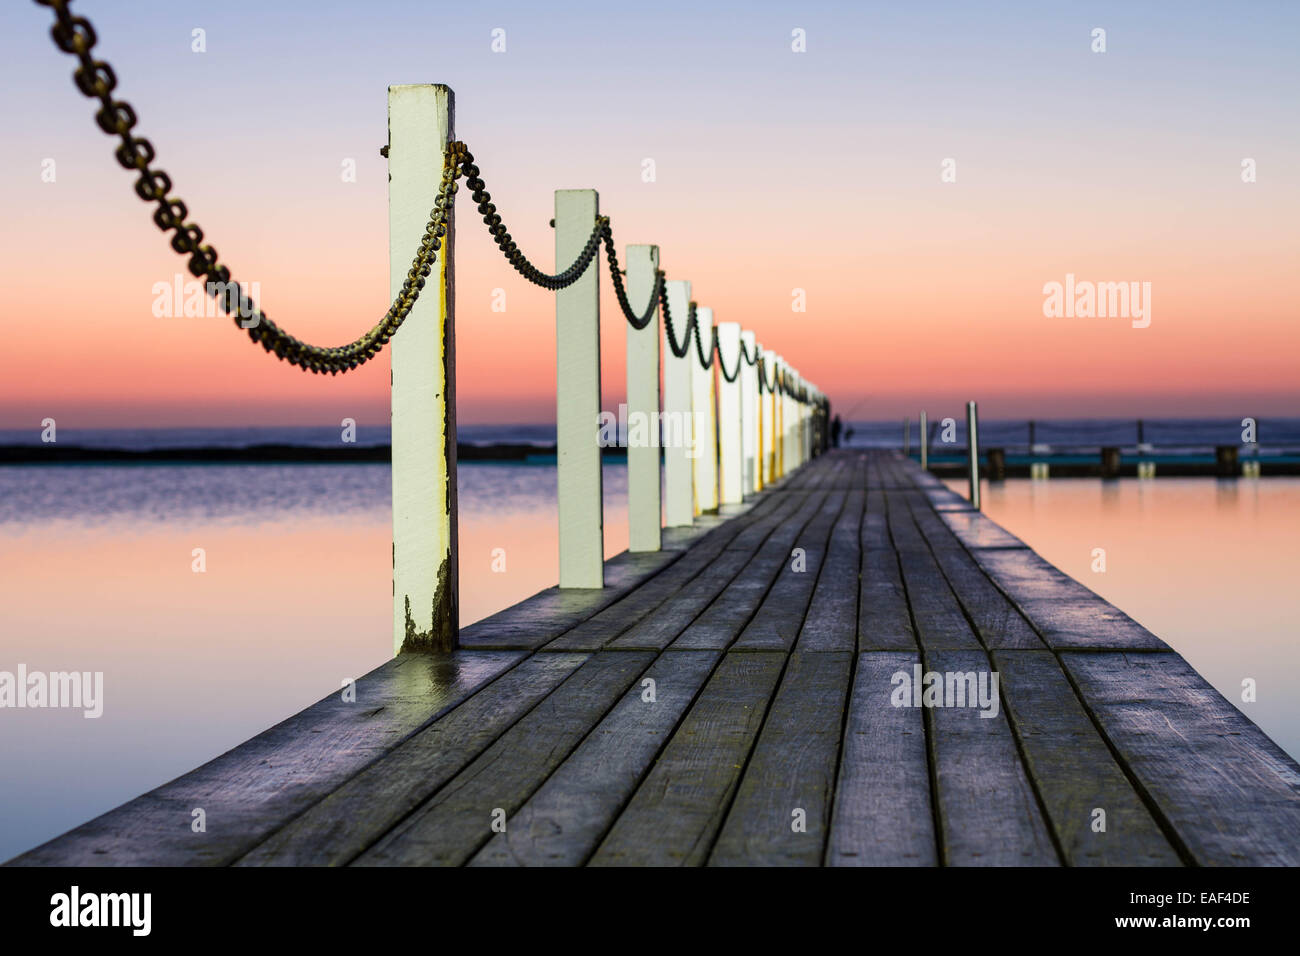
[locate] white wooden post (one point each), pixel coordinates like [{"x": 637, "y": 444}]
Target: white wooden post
[
  {"x": 577, "y": 397},
  {"x": 925, "y": 443},
  {"x": 767, "y": 422},
  {"x": 805, "y": 412},
  {"x": 778, "y": 420},
  {"x": 644, "y": 511},
  {"x": 679, "y": 494},
  {"x": 423, "y": 379},
  {"x": 704, "y": 411},
  {"x": 749, "y": 415},
  {"x": 788, "y": 425},
  {"x": 731, "y": 460}
]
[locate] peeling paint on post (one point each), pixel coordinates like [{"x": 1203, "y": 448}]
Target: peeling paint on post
[{"x": 425, "y": 574}]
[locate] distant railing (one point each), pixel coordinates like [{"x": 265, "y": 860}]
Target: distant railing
[{"x": 720, "y": 437}]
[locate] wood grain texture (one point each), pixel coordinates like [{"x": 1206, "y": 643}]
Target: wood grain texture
[
  {"x": 883, "y": 814},
  {"x": 1230, "y": 794},
  {"x": 450, "y": 826},
  {"x": 988, "y": 811},
  {"x": 781, "y": 812},
  {"x": 676, "y": 812},
  {"x": 339, "y": 827},
  {"x": 831, "y": 623},
  {"x": 561, "y": 824},
  {"x": 1074, "y": 770}
]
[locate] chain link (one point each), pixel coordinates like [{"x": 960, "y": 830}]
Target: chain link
[
  {"x": 95, "y": 78},
  {"x": 637, "y": 322},
  {"x": 492, "y": 219},
  {"x": 678, "y": 350}
]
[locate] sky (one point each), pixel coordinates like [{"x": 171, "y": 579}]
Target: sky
[{"x": 775, "y": 171}]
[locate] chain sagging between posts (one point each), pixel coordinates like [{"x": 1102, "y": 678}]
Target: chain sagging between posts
[{"x": 95, "y": 78}]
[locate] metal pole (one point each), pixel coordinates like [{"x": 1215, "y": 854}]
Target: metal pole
[
  {"x": 925, "y": 444},
  {"x": 973, "y": 451},
  {"x": 577, "y": 398},
  {"x": 423, "y": 380}
]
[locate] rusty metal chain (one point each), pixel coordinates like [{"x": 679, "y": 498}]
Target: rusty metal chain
[
  {"x": 699, "y": 348},
  {"x": 740, "y": 358},
  {"x": 678, "y": 350},
  {"x": 95, "y": 78},
  {"x": 492, "y": 219},
  {"x": 637, "y": 322}
]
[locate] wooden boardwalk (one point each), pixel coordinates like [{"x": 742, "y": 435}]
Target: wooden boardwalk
[{"x": 773, "y": 671}]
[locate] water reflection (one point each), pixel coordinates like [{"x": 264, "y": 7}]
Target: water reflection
[
  {"x": 96, "y": 574},
  {"x": 1208, "y": 565}
]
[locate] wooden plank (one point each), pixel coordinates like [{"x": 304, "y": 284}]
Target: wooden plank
[
  {"x": 663, "y": 592},
  {"x": 831, "y": 623},
  {"x": 974, "y": 530},
  {"x": 340, "y": 826},
  {"x": 673, "y": 816},
  {"x": 988, "y": 811},
  {"x": 996, "y": 621},
  {"x": 1073, "y": 769},
  {"x": 883, "y": 815},
  {"x": 936, "y": 613},
  {"x": 780, "y": 617},
  {"x": 457, "y": 820},
  {"x": 251, "y": 790},
  {"x": 1068, "y": 615},
  {"x": 1229, "y": 793},
  {"x": 781, "y": 813},
  {"x": 724, "y": 618},
  {"x": 548, "y": 614},
  {"x": 561, "y": 824}
]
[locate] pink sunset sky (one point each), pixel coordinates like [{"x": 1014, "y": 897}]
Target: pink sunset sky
[{"x": 775, "y": 170}]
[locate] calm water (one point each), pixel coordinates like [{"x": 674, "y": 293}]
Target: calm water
[
  {"x": 1208, "y": 566},
  {"x": 96, "y": 575}
]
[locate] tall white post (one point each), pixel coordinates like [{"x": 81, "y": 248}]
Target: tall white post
[
  {"x": 678, "y": 423},
  {"x": 577, "y": 397},
  {"x": 767, "y": 423},
  {"x": 925, "y": 443},
  {"x": 778, "y": 419},
  {"x": 789, "y": 421},
  {"x": 423, "y": 379},
  {"x": 731, "y": 460},
  {"x": 704, "y": 411},
  {"x": 749, "y": 415},
  {"x": 644, "y": 511}
]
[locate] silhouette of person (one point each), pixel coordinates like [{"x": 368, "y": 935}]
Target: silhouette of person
[{"x": 836, "y": 427}]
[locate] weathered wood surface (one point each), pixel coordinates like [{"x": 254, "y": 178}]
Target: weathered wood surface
[{"x": 734, "y": 699}]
